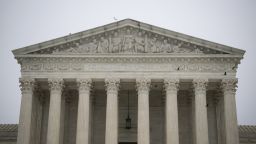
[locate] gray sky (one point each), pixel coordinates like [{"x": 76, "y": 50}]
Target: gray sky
[{"x": 26, "y": 22}]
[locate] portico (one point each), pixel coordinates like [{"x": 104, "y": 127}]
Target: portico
[{"x": 176, "y": 89}]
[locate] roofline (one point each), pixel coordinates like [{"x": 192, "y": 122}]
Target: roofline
[
  {"x": 130, "y": 55},
  {"x": 123, "y": 23}
]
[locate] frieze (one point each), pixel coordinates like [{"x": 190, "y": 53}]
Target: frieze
[{"x": 127, "y": 40}]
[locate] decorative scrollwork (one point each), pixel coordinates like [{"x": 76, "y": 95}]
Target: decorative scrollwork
[
  {"x": 27, "y": 85},
  {"x": 229, "y": 85},
  {"x": 112, "y": 85},
  {"x": 143, "y": 85},
  {"x": 200, "y": 85},
  {"x": 171, "y": 84},
  {"x": 84, "y": 84},
  {"x": 56, "y": 84}
]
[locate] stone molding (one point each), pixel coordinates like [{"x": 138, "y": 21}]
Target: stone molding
[
  {"x": 27, "y": 85},
  {"x": 112, "y": 85},
  {"x": 229, "y": 85},
  {"x": 143, "y": 85},
  {"x": 171, "y": 85},
  {"x": 56, "y": 84},
  {"x": 84, "y": 85}
]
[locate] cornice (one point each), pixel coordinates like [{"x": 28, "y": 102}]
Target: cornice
[{"x": 130, "y": 55}]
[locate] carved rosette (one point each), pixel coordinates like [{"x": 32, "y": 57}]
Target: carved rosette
[
  {"x": 27, "y": 85},
  {"x": 228, "y": 86},
  {"x": 84, "y": 85},
  {"x": 200, "y": 86},
  {"x": 56, "y": 84},
  {"x": 112, "y": 85},
  {"x": 171, "y": 85},
  {"x": 143, "y": 85}
]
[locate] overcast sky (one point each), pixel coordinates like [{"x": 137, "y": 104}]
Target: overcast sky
[{"x": 27, "y": 22}]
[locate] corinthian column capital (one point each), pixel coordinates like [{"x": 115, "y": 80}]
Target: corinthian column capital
[
  {"x": 200, "y": 84},
  {"x": 229, "y": 85},
  {"x": 84, "y": 84},
  {"x": 56, "y": 84},
  {"x": 171, "y": 84},
  {"x": 27, "y": 84},
  {"x": 143, "y": 84},
  {"x": 112, "y": 84}
]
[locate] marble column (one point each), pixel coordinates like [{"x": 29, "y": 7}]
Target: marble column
[
  {"x": 25, "y": 122},
  {"x": 143, "y": 87},
  {"x": 54, "y": 120},
  {"x": 230, "y": 117},
  {"x": 201, "y": 122},
  {"x": 83, "y": 117},
  {"x": 111, "y": 134},
  {"x": 171, "y": 111}
]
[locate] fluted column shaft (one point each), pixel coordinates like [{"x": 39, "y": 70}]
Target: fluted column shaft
[
  {"x": 83, "y": 118},
  {"x": 111, "y": 134},
  {"x": 171, "y": 111},
  {"x": 25, "y": 122},
  {"x": 230, "y": 117},
  {"x": 53, "y": 132},
  {"x": 143, "y": 87},
  {"x": 201, "y": 122}
]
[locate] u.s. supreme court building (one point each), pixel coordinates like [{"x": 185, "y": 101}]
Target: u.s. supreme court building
[{"x": 128, "y": 83}]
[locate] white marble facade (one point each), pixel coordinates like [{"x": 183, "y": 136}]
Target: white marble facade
[{"x": 75, "y": 88}]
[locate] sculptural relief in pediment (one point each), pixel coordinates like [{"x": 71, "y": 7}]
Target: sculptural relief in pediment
[{"x": 127, "y": 40}]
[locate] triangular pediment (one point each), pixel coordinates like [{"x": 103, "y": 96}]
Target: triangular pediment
[{"x": 127, "y": 36}]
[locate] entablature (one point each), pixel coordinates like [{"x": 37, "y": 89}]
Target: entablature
[{"x": 130, "y": 63}]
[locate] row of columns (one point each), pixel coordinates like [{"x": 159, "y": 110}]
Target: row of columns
[{"x": 143, "y": 87}]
